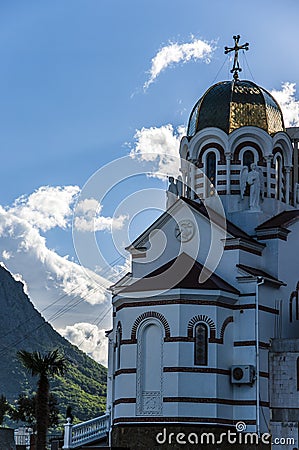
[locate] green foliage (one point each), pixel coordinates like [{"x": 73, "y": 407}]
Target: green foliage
[
  {"x": 44, "y": 366},
  {"x": 25, "y": 411},
  {"x": 4, "y": 407},
  {"x": 83, "y": 387},
  {"x": 49, "y": 365}
]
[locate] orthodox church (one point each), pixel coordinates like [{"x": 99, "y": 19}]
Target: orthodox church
[
  {"x": 193, "y": 323},
  {"x": 201, "y": 324}
]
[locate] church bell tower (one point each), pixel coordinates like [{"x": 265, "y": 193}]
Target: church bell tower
[{"x": 192, "y": 327}]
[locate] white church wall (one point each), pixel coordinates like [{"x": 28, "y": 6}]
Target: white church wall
[
  {"x": 288, "y": 263},
  {"x": 125, "y": 410},
  {"x": 125, "y": 385}
]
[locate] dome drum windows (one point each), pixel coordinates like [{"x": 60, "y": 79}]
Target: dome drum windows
[
  {"x": 211, "y": 174},
  {"x": 248, "y": 158}
]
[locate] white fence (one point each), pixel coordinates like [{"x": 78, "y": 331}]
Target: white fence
[{"x": 85, "y": 432}]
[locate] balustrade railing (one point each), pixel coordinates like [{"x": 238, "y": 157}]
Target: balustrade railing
[{"x": 85, "y": 432}]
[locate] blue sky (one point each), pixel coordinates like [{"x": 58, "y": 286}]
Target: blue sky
[{"x": 72, "y": 98}]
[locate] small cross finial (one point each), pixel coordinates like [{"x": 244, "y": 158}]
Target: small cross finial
[{"x": 236, "y": 67}]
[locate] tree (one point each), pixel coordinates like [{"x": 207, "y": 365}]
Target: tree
[
  {"x": 4, "y": 407},
  {"x": 25, "y": 411},
  {"x": 45, "y": 367}
]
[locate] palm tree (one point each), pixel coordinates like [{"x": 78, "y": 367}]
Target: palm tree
[{"x": 44, "y": 366}]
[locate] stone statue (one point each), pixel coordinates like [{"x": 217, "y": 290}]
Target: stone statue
[
  {"x": 255, "y": 180},
  {"x": 179, "y": 185},
  {"x": 172, "y": 193}
]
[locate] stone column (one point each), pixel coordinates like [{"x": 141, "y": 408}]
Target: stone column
[
  {"x": 287, "y": 186},
  {"x": 67, "y": 435},
  {"x": 185, "y": 180},
  {"x": 228, "y": 157},
  {"x": 192, "y": 178},
  {"x": 269, "y": 160}
]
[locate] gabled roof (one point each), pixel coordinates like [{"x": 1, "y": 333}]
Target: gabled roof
[
  {"x": 166, "y": 277},
  {"x": 218, "y": 220},
  {"x": 205, "y": 211},
  {"x": 260, "y": 273},
  {"x": 281, "y": 220}
]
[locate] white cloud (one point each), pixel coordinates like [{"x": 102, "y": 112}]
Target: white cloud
[
  {"x": 288, "y": 103},
  {"x": 89, "y": 338},
  {"x": 6, "y": 254},
  {"x": 25, "y": 250},
  {"x": 88, "y": 217},
  {"x": 161, "y": 146},
  {"x": 47, "y": 207},
  {"x": 43, "y": 268},
  {"x": 175, "y": 53}
]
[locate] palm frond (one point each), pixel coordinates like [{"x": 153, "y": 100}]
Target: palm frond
[{"x": 51, "y": 364}]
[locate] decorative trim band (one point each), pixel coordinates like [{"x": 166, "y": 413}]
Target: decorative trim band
[
  {"x": 124, "y": 371},
  {"x": 264, "y": 345},
  {"x": 199, "y": 303},
  {"x": 207, "y": 420},
  {"x": 213, "y": 370},
  {"x": 124, "y": 400},
  {"x": 221, "y": 401}
]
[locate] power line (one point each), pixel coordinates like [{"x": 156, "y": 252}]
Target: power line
[
  {"x": 224, "y": 61},
  {"x": 64, "y": 309},
  {"x": 13, "y": 345},
  {"x": 60, "y": 311},
  {"x": 30, "y": 319},
  {"x": 248, "y": 66},
  {"x": 102, "y": 317}
]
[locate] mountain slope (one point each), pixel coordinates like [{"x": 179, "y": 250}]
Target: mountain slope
[{"x": 23, "y": 327}]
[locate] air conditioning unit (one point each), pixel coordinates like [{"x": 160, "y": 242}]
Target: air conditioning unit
[{"x": 242, "y": 374}]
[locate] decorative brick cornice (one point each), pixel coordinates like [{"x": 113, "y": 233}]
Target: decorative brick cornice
[
  {"x": 227, "y": 321},
  {"x": 208, "y": 370},
  {"x": 126, "y": 371},
  {"x": 264, "y": 345},
  {"x": 200, "y": 318},
  {"x": 255, "y": 248},
  {"x": 247, "y": 144},
  {"x": 124, "y": 400},
  {"x": 273, "y": 233},
  {"x": 181, "y": 301},
  {"x": 209, "y": 146},
  {"x": 213, "y": 370},
  {"x": 149, "y": 315},
  {"x": 217, "y": 400}
]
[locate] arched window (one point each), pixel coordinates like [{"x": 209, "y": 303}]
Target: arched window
[
  {"x": 278, "y": 177},
  {"x": 149, "y": 368},
  {"x": 201, "y": 345},
  {"x": 211, "y": 174},
  {"x": 117, "y": 345},
  {"x": 248, "y": 158}
]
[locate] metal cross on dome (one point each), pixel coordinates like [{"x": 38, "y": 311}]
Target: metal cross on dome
[{"x": 236, "y": 67}]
